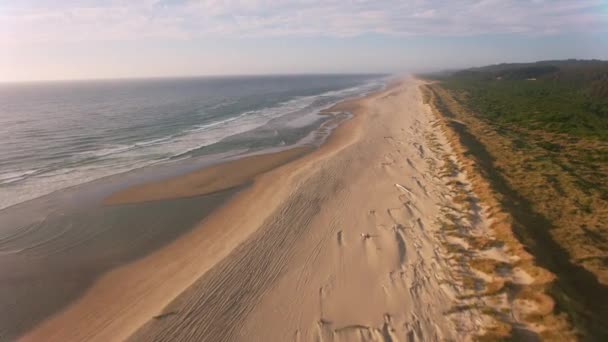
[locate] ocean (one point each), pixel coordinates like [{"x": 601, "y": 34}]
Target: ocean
[{"x": 55, "y": 135}]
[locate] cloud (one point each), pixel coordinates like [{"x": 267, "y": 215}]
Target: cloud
[{"x": 183, "y": 19}]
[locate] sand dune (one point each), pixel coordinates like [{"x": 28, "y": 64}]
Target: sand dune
[{"x": 343, "y": 244}]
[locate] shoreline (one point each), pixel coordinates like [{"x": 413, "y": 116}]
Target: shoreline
[
  {"x": 46, "y": 233},
  {"x": 273, "y": 160},
  {"x": 230, "y": 122},
  {"x": 345, "y": 240},
  {"x": 111, "y": 184}
]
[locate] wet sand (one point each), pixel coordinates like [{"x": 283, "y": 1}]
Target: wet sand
[
  {"x": 52, "y": 261},
  {"x": 209, "y": 180},
  {"x": 342, "y": 243}
]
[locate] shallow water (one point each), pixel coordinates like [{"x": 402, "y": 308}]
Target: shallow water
[{"x": 50, "y": 261}]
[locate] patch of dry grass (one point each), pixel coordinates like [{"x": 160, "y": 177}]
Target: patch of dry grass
[
  {"x": 446, "y": 109},
  {"x": 489, "y": 266}
]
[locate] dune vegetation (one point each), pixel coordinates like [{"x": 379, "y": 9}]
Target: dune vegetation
[{"x": 539, "y": 133}]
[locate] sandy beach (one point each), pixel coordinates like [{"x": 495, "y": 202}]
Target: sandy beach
[
  {"x": 324, "y": 171},
  {"x": 344, "y": 243}
]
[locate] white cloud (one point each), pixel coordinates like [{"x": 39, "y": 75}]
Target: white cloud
[{"x": 182, "y": 19}]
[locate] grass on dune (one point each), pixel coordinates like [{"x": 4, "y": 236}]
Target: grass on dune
[{"x": 541, "y": 138}]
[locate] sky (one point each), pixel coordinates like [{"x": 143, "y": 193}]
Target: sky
[{"x": 83, "y": 39}]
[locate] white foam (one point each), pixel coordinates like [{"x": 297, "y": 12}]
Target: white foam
[
  {"x": 15, "y": 176},
  {"x": 19, "y": 186}
]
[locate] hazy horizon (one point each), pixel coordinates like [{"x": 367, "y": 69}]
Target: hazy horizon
[{"x": 81, "y": 40}]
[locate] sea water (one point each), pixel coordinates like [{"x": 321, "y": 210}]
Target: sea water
[{"x": 54, "y": 135}]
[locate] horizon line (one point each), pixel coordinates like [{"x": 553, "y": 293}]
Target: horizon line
[{"x": 169, "y": 77}]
